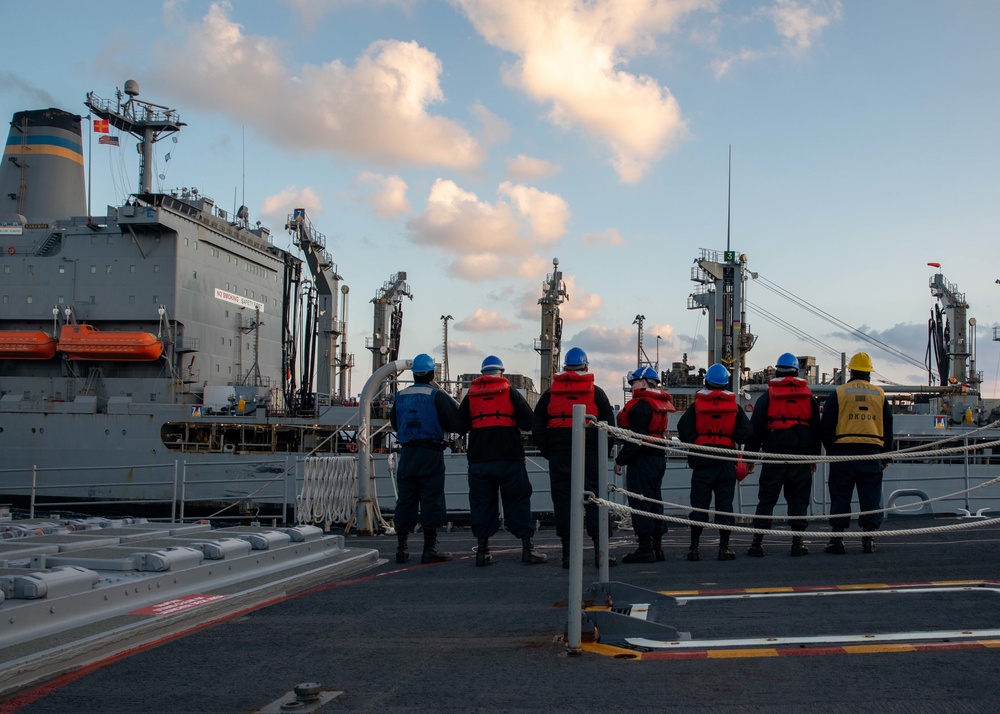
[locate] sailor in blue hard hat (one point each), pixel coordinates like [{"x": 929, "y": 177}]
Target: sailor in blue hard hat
[
  {"x": 713, "y": 419},
  {"x": 494, "y": 415},
  {"x": 646, "y": 413},
  {"x": 421, "y": 415},
  {"x": 553, "y": 434},
  {"x": 785, "y": 420}
]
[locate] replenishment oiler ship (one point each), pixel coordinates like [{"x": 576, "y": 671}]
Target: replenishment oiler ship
[{"x": 165, "y": 351}]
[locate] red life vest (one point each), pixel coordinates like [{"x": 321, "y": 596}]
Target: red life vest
[
  {"x": 715, "y": 417},
  {"x": 789, "y": 403},
  {"x": 658, "y": 400},
  {"x": 569, "y": 388},
  {"x": 489, "y": 403}
]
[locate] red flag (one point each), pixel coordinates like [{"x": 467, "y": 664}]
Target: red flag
[
  {"x": 934, "y": 265},
  {"x": 101, "y": 126}
]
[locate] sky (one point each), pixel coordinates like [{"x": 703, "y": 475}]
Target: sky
[{"x": 467, "y": 143}]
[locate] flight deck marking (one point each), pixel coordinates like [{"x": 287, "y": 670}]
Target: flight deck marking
[
  {"x": 178, "y": 604},
  {"x": 894, "y": 642}
]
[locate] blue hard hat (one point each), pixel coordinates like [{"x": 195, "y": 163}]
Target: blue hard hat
[
  {"x": 718, "y": 375},
  {"x": 422, "y": 364},
  {"x": 491, "y": 362},
  {"x": 645, "y": 372},
  {"x": 788, "y": 360},
  {"x": 575, "y": 357}
]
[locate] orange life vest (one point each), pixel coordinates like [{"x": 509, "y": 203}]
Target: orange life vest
[
  {"x": 715, "y": 417},
  {"x": 568, "y": 389},
  {"x": 489, "y": 403},
  {"x": 658, "y": 400},
  {"x": 789, "y": 403}
]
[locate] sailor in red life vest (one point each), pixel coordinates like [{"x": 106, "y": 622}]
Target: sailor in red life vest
[
  {"x": 857, "y": 420},
  {"x": 785, "y": 421},
  {"x": 553, "y": 435},
  {"x": 713, "y": 419},
  {"x": 645, "y": 413},
  {"x": 494, "y": 415}
]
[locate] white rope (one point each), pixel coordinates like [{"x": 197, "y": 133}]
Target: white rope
[
  {"x": 329, "y": 490},
  {"x": 623, "y": 510},
  {"x": 724, "y": 454}
]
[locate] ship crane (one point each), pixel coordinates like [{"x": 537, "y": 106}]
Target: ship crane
[
  {"x": 330, "y": 362},
  {"x": 949, "y": 328},
  {"x": 549, "y": 343},
  {"x": 388, "y": 322},
  {"x": 722, "y": 292}
]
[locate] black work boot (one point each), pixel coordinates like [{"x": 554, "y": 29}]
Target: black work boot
[
  {"x": 612, "y": 561},
  {"x": 658, "y": 549},
  {"x": 797, "y": 547},
  {"x": 643, "y": 554},
  {"x": 724, "y": 552},
  {"x": 835, "y": 546},
  {"x": 483, "y": 556},
  {"x": 431, "y": 553},
  {"x": 402, "y": 552},
  {"x": 867, "y": 542},
  {"x": 530, "y": 555},
  {"x": 692, "y": 553},
  {"x": 756, "y": 549},
  {"x": 565, "y": 553}
]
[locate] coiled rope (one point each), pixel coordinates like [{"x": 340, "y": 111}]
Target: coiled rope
[{"x": 329, "y": 490}]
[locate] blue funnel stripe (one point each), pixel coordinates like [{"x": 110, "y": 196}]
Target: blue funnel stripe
[{"x": 44, "y": 144}]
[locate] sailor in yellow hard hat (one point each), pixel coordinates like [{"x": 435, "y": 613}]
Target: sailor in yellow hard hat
[{"x": 856, "y": 420}]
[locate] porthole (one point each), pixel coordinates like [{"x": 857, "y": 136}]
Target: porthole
[{"x": 107, "y": 432}]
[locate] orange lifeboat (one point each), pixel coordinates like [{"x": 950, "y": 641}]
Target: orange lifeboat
[
  {"x": 26, "y": 344},
  {"x": 86, "y": 342}
]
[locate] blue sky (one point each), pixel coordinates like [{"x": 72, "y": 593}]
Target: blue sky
[{"x": 468, "y": 143}]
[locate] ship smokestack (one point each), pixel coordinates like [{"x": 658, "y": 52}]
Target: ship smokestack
[{"x": 41, "y": 177}]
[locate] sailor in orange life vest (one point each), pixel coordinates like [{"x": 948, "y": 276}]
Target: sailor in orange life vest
[
  {"x": 856, "y": 420},
  {"x": 421, "y": 414},
  {"x": 494, "y": 415},
  {"x": 785, "y": 420},
  {"x": 645, "y": 413},
  {"x": 713, "y": 419},
  {"x": 552, "y": 430}
]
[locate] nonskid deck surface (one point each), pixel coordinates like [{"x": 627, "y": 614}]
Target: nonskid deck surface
[
  {"x": 451, "y": 636},
  {"x": 74, "y": 592}
]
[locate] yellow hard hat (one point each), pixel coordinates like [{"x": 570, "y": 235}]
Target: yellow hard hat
[{"x": 861, "y": 362}]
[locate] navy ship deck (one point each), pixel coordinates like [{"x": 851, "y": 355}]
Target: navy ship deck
[{"x": 451, "y": 636}]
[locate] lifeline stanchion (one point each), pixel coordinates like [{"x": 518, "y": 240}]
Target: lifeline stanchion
[
  {"x": 574, "y": 615},
  {"x": 602, "y": 518}
]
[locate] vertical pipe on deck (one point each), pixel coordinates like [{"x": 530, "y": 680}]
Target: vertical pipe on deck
[
  {"x": 602, "y": 492},
  {"x": 575, "y": 598},
  {"x": 173, "y": 499}
]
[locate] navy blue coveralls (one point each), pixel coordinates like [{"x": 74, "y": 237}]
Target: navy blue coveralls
[{"x": 646, "y": 466}]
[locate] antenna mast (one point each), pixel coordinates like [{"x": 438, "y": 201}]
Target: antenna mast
[{"x": 445, "y": 370}]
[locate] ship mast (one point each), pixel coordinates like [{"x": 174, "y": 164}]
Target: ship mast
[
  {"x": 445, "y": 369},
  {"x": 549, "y": 343},
  {"x": 956, "y": 331},
  {"x": 145, "y": 121}
]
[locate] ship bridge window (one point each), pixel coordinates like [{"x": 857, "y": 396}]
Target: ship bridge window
[
  {"x": 6, "y": 299},
  {"x": 156, "y": 298},
  {"x": 62, "y": 269},
  {"x": 6, "y": 268},
  {"x": 61, "y": 300},
  {"x": 131, "y": 268},
  {"x": 93, "y": 268},
  {"x": 156, "y": 268},
  {"x": 185, "y": 241},
  {"x": 30, "y": 299},
  {"x": 108, "y": 269}
]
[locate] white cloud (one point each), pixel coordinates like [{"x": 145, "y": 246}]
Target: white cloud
[
  {"x": 484, "y": 321},
  {"x": 386, "y": 195},
  {"x": 495, "y": 129},
  {"x": 377, "y": 110},
  {"x": 609, "y": 236},
  {"x": 490, "y": 240},
  {"x": 311, "y": 11},
  {"x": 528, "y": 168},
  {"x": 799, "y": 22},
  {"x": 277, "y": 207},
  {"x": 571, "y": 57}
]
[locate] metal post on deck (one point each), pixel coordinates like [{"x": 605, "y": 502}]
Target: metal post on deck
[
  {"x": 184, "y": 469},
  {"x": 602, "y": 515},
  {"x": 173, "y": 499},
  {"x": 364, "y": 514},
  {"x": 574, "y": 615},
  {"x": 34, "y": 480},
  {"x": 965, "y": 459}
]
